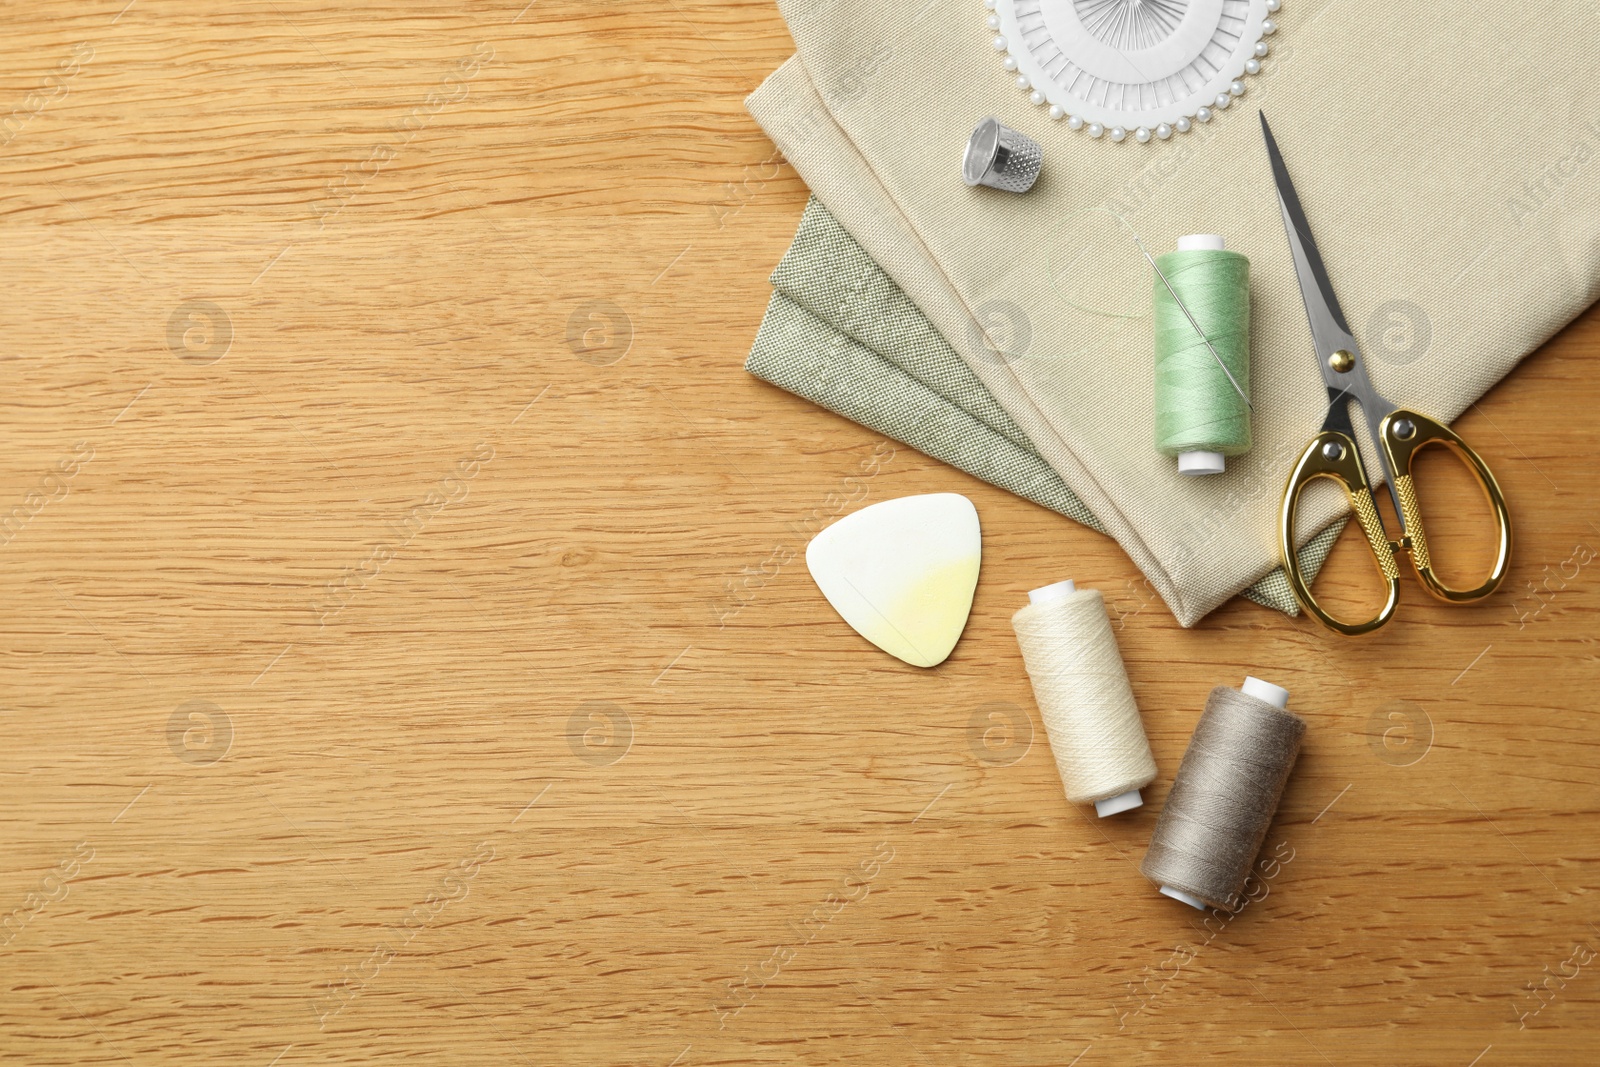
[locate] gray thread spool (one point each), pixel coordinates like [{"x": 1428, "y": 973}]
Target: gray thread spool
[{"x": 1225, "y": 795}]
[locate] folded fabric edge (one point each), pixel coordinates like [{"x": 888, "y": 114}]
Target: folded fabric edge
[
  {"x": 822, "y": 251},
  {"x": 805, "y": 356},
  {"x": 826, "y": 271},
  {"x": 773, "y": 358},
  {"x": 788, "y": 107}
]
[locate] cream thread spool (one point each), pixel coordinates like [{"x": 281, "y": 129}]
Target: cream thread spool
[
  {"x": 1225, "y": 795},
  {"x": 1084, "y": 697}
]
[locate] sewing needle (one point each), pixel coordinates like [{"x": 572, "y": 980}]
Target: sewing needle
[{"x": 1181, "y": 307}]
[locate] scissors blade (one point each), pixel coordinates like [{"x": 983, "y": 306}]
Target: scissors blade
[
  {"x": 1329, "y": 333},
  {"x": 1328, "y": 328}
]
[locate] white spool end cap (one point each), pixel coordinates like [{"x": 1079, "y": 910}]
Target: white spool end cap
[
  {"x": 1188, "y": 898},
  {"x": 1195, "y": 464},
  {"x": 1276, "y": 695},
  {"x": 1119, "y": 803},
  {"x": 1201, "y": 242},
  {"x": 1048, "y": 593}
]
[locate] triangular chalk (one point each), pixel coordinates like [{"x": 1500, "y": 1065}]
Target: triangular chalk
[{"x": 902, "y": 573}]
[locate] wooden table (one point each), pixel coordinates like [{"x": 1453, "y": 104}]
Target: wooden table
[{"x": 407, "y": 658}]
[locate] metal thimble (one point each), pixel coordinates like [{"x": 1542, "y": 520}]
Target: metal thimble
[{"x": 1001, "y": 158}]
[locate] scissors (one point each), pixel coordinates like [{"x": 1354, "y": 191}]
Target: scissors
[{"x": 1399, "y": 433}]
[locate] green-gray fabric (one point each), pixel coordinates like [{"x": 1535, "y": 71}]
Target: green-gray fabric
[{"x": 840, "y": 333}]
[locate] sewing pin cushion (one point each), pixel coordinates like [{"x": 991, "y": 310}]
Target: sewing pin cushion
[
  {"x": 902, "y": 573},
  {"x": 1140, "y": 68}
]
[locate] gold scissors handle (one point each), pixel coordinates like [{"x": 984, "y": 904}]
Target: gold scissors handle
[
  {"x": 1333, "y": 454},
  {"x": 1405, "y": 433}
]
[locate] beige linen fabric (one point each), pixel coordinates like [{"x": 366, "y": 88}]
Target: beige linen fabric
[
  {"x": 840, "y": 333},
  {"x": 1447, "y": 158}
]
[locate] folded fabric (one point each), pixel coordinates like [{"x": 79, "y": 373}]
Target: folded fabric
[
  {"x": 1484, "y": 245},
  {"x": 840, "y": 333}
]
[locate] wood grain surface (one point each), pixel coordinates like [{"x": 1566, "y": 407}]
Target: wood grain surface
[{"x": 408, "y": 656}]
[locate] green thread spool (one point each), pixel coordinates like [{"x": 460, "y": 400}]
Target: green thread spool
[{"x": 1200, "y": 416}]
